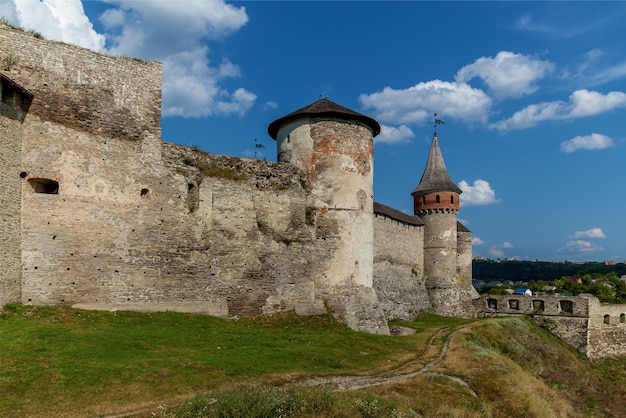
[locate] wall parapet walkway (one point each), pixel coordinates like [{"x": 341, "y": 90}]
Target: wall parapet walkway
[{"x": 597, "y": 330}]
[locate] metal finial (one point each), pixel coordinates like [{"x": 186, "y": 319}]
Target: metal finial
[
  {"x": 437, "y": 122},
  {"x": 256, "y": 147}
]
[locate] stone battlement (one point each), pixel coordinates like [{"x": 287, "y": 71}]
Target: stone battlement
[{"x": 595, "y": 329}]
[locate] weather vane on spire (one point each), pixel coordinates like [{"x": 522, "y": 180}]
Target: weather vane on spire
[
  {"x": 256, "y": 148},
  {"x": 437, "y": 122}
]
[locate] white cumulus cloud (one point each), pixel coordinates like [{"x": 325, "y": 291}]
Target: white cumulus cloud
[
  {"x": 270, "y": 105},
  {"x": 193, "y": 85},
  {"x": 590, "y": 233},
  {"x": 480, "y": 193},
  {"x": 495, "y": 252},
  {"x": 507, "y": 74},
  {"x": 582, "y": 103},
  {"x": 162, "y": 28},
  {"x": 417, "y": 104},
  {"x": 498, "y": 250},
  {"x": 393, "y": 135},
  {"x": 587, "y": 142},
  {"x": 57, "y": 20},
  {"x": 582, "y": 246},
  {"x": 477, "y": 241}
]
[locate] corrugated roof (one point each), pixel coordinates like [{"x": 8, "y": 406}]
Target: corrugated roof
[
  {"x": 323, "y": 107},
  {"x": 396, "y": 215},
  {"x": 435, "y": 177}
]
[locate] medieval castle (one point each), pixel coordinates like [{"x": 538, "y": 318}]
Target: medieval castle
[{"x": 97, "y": 212}]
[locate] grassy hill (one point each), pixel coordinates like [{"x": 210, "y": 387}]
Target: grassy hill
[{"x": 61, "y": 362}]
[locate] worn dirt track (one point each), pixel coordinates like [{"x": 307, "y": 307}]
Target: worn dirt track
[
  {"x": 430, "y": 356},
  {"x": 421, "y": 365}
]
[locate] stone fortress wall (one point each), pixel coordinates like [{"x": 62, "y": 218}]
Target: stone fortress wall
[
  {"x": 607, "y": 330},
  {"x": 595, "y": 329},
  {"x": 96, "y": 211},
  {"x": 399, "y": 264},
  {"x": 100, "y": 212},
  {"x": 111, "y": 215},
  {"x": 14, "y": 101},
  {"x": 112, "y": 97}
]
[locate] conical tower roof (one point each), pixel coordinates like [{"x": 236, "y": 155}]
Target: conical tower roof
[
  {"x": 435, "y": 177},
  {"x": 323, "y": 107}
]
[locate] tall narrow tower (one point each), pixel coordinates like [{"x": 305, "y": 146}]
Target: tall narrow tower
[
  {"x": 334, "y": 146},
  {"x": 436, "y": 201}
]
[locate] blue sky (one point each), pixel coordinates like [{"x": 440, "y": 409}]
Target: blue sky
[{"x": 533, "y": 96}]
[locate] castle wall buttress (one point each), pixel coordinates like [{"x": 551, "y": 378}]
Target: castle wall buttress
[
  {"x": 10, "y": 210},
  {"x": 464, "y": 257},
  {"x": 607, "y": 330},
  {"x": 11, "y": 116}
]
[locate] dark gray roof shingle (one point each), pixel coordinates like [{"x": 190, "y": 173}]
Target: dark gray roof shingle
[
  {"x": 396, "y": 215},
  {"x": 435, "y": 177},
  {"x": 461, "y": 228},
  {"x": 323, "y": 107}
]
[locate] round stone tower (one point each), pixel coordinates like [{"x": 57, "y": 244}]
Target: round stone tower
[
  {"x": 334, "y": 146},
  {"x": 436, "y": 202}
]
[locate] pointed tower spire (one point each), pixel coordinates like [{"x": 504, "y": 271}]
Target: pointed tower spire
[{"x": 435, "y": 177}]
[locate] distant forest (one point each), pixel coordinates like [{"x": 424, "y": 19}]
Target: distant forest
[{"x": 526, "y": 271}]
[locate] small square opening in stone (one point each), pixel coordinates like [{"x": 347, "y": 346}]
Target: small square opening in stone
[{"x": 46, "y": 186}]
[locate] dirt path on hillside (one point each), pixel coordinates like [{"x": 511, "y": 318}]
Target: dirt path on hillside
[{"x": 421, "y": 365}]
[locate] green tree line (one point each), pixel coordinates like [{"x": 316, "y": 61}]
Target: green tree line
[{"x": 598, "y": 279}]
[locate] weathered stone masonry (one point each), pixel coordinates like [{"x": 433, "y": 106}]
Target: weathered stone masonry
[
  {"x": 98, "y": 212},
  {"x": 14, "y": 104},
  {"x": 399, "y": 263},
  {"x": 594, "y": 329},
  {"x": 112, "y": 216}
]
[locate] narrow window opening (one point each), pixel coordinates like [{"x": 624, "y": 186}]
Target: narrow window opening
[
  {"x": 492, "y": 303},
  {"x": 567, "y": 306},
  {"x": 45, "y": 186},
  {"x": 144, "y": 192},
  {"x": 438, "y": 199},
  {"x": 622, "y": 318},
  {"x": 452, "y": 200},
  {"x": 193, "y": 197},
  {"x": 607, "y": 319},
  {"x": 424, "y": 200}
]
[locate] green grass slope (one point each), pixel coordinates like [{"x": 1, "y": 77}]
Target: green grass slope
[{"x": 61, "y": 362}]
